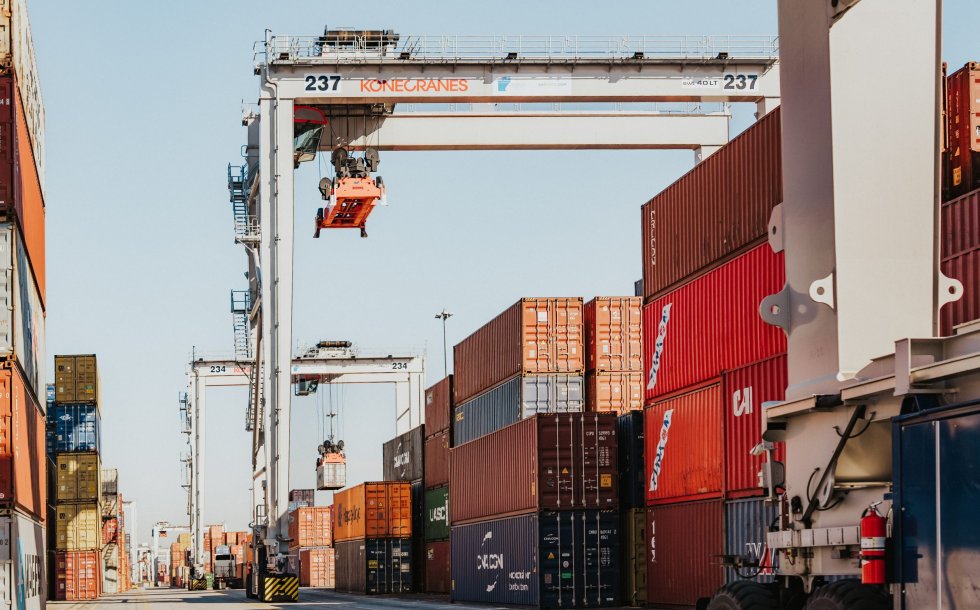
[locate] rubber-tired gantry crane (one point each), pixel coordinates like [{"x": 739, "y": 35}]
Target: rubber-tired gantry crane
[{"x": 338, "y": 92}]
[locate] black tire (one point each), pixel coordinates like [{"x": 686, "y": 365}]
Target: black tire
[
  {"x": 849, "y": 595},
  {"x": 745, "y": 595}
]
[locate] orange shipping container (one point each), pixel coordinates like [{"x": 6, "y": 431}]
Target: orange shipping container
[
  {"x": 310, "y": 526},
  {"x": 217, "y": 533},
  {"x": 535, "y": 335},
  {"x": 78, "y": 575},
  {"x": 614, "y": 334},
  {"x": 22, "y": 453},
  {"x": 29, "y": 200},
  {"x": 614, "y": 392},
  {"x": 317, "y": 568},
  {"x": 373, "y": 510}
]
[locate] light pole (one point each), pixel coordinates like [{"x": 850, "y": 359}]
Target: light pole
[{"x": 444, "y": 315}]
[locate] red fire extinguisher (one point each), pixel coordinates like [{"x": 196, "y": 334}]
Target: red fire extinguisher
[{"x": 873, "y": 535}]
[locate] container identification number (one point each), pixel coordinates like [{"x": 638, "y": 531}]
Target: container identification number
[{"x": 323, "y": 82}]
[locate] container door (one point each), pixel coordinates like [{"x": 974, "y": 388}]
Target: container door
[{"x": 6, "y": 585}]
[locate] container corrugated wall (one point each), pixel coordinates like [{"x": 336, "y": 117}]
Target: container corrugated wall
[
  {"x": 437, "y": 460},
  {"x": 22, "y": 323},
  {"x": 374, "y": 565},
  {"x": 614, "y": 392},
  {"x": 746, "y": 524},
  {"x": 632, "y": 480},
  {"x": 744, "y": 391},
  {"x": 716, "y": 210},
  {"x": 437, "y": 568},
  {"x": 77, "y": 575},
  {"x": 614, "y": 334},
  {"x": 685, "y": 446},
  {"x": 373, "y": 509},
  {"x": 439, "y": 406},
  {"x": 634, "y": 556},
  {"x": 685, "y": 541},
  {"x": 495, "y": 561},
  {"x": 960, "y": 174},
  {"x": 435, "y": 521},
  {"x": 22, "y": 453},
  {"x": 535, "y": 335},
  {"x": 961, "y": 258},
  {"x": 712, "y": 324},
  {"x": 517, "y": 398},
  {"x": 310, "y": 526},
  {"x": 73, "y": 428},
  {"x": 403, "y": 459},
  {"x": 23, "y": 567}
]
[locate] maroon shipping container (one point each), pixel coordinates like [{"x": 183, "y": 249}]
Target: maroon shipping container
[
  {"x": 712, "y": 324},
  {"x": 547, "y": 462},
  {"x": 744, "y": 390},
  {"x": 685, "y": 446},
  {"x": 437, "y": 460},
  {"x": 685, "y": 543},
  {"x": 439, "y": 406},
  {"x": 718, "y": 209},
  {"x": 960, "y": 172},
  {"x": 533, "y": 336},
  {"x": 961, "y": 258},
  {"x": 437, "y": 564}
]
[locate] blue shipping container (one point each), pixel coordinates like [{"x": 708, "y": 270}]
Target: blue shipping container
[
  {"x": 71, "y": 428},
  {"x": 516, "y": 399},
  {"x": 936, "y": 479},
  {"x": 554, "y": 559},
  {"x": 746, "y": 524},
  {"x": 632, "y": 481}
]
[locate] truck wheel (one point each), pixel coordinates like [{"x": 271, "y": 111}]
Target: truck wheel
[
  {"x": 848, "y": 595},
  {"x": 745, "y": 595}
]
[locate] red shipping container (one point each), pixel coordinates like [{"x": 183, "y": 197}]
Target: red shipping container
[
  {"x": 743, "y": 392},
  {"x": 614, "y": 334},
  {"x": 718, "y": 209},
  {"x": 535, "y": 335},
  {"x": 78, "y": 575},
  {"x": 685, "y": 541},
  {"x": 317, "y": 568},
  {"x": 311, "y": 526},
  {"x": 712, "y": 324},
  {"x": 960, "y": 174},
  {"x": 684, "y": 446},
  {"x": 966, "y": 269},
  {"x": 546, "y": 462},
  {"x": 439, "y": 406},
  {"x": 110, "y": 528},
  {"x": 437, "y": 460},
  {"x": 23, "y": 463},
  {"x": 961, "y": 258},
  {"x": 437, "y": 578},
  {"x": 614, "y": 392}
]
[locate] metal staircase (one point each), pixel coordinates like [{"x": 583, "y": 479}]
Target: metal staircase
[
  {"x": 241, "y": 307},
  {"x": 246, "y": 226}
]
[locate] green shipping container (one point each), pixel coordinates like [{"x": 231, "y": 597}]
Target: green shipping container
[{"x": 437, "y": 514}]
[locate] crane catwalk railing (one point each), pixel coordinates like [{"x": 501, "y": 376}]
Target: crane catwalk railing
[{"x": 565, "y": 49}]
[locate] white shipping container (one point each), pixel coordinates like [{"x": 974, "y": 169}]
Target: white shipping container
[
  {"x": 22, "y": 574},
  {"x": 17, "y": 51},
  {"x": 22, "y": 333},
  {"x": 110, "y": 481},
  {"x": 110, "y": 569}
]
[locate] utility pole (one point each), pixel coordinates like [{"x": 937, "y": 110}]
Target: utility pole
[{"x": 444, "y": 315}]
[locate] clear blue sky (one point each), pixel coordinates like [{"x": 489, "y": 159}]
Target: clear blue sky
[{"x": 143, "y": 106}]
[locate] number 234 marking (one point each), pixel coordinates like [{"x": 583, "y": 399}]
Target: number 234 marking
[{"x": 322, "y": 83}]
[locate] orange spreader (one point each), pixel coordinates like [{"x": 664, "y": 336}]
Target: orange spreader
[{"x": 352, "y": 200}]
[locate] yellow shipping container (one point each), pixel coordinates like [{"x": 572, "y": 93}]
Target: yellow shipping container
[
  {"x": 78, "y": 527},
  {"x": 184, "y": 540},
  {"x": 76, "y": 379},
  {"x": 79, "y": 477}
]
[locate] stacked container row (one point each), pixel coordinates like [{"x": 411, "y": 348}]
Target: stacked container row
[
  {"x": 311, "y": 551},
  {"x": 434, "y": 549}
]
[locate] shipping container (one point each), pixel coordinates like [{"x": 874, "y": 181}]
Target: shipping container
[
  {"x": 961, "y": 258},
  {"x": 73, "y": 428},
  {"x": 437, "y": 460},
  {"x": 22, "y": 455},
  {"x": 78, "y": 526},
  {"x": 79, "y": 477},
  {"x": 718, "y": 209},
  {"x": 302, "y": 495},
  {"x": 76, "y": 379},
  {"x": 685, "y": 542},
  {"x": 614, "y": 334},
  {"x": 437, "y": 567},
  {"x": 744, "y": 391},
  {"x": 960, "y": 171},
  {"x": 23, "y": 578},
  {"x": 111, "y": 570},
  {"x": 373, "y": 510},
  {"x": 436, "y": 520},
  {"x": 374, "y": 565},
  {"x": 633, "y": 535},
  {"x": 317, "y": 568},
  {"x": 418, "y": 535},
  {"x": 22, "y": 324},
  {"x": 517, "y": 398},
  {"x": 712, "y": 324},
  {"x": 746, "y": 523},
  {"x": 310, "y": 526},
  {"x": 685, "y": 446},
  {"x": 403, "y": 456},
  {"x": 77, "y": 575},
  {"x": 614, "y": 392},
  {"x": 534, "y": 336},
  {"x": 548, "y": 462},
  {"x": 439, "y": 406},
  {"x": 110, "y": 530},
  {"x": 548, "y": 560},
  {"x": 632, "y": 479},
  {"x": 17, "y": 56},
  {"x": 110, "y": 481}
]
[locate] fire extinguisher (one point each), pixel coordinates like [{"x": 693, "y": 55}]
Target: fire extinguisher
[{"x": 873, "y": 535}]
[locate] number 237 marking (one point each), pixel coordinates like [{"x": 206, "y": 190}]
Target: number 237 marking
[
  {"x": 322, "y": 83},
  {"x": 740, "y": 81}
]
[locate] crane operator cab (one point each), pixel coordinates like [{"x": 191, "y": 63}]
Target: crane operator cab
[
  {"x": 331, "y": 466},
  {"x": 352, "y": 194}
]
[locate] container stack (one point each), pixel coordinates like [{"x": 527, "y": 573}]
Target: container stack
[
  {"x": 114, "y": 549},
  {"x": 527, "y": 360},
  {"x": 179, "y": 564},
  {"x": 311, "y": 552},
  {"x": 614, "y": 354},
  {"x": 74, "y": 433},
  {"x": 373, "y": 537},
  {"x": 711, "y": 362},
  {"x": 435, "y": 503},
  {"x": 404, "y": 458}
]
